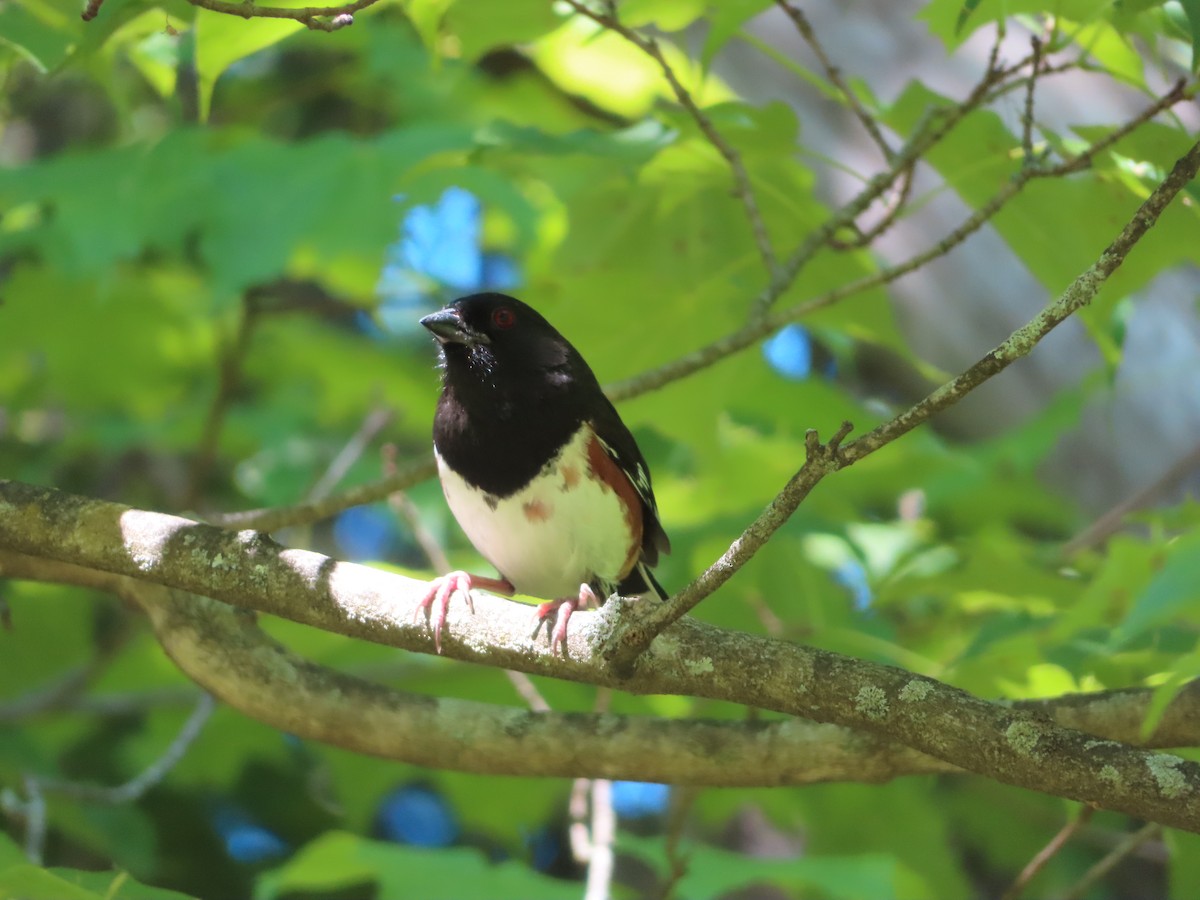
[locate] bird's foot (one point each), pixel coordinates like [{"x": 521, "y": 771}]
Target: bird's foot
[
  {"x": 560, "y": 611},
  {"x": 442, "y": 588}
]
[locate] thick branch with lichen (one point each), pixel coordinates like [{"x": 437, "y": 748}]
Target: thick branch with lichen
[{"x": 690, "y": 658}]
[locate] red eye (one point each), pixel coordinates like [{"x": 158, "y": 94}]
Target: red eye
[{"x": 503, "y": 317}]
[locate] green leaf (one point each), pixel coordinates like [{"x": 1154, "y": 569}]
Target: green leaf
[
  {"x": 1174, "y": 590},
  {"x": 1191, "y": 9},
  {"x": 955, "y": 20},
  {"x": 117, "y": 885},
  {"x": 222, "y": 40},
  {"x": 665, "y": 15},
  {"x": 338, "y": 860},
  {"x": 1114, "y": 51},
  {"x": 39, "y": 32},
  {"x": 725, "y": 21},
  {"x": 426, "y": 17},
  {"x": 483, "y": 25},
  {"x": 1180, "y": 673},
  {"x": 10, "y": 853},
  {"x": 28, "y": 882},
  {"x": 713, "y": 872}
]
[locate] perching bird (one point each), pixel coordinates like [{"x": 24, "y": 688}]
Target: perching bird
[{"x": 538, "y": 468}]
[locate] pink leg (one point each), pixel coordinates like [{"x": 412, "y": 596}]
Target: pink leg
[
  {"x": 442, "y": 588},
  {"x": 561, "y": 611}
]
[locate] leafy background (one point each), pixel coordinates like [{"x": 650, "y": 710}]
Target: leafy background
[{"x": 216, "y": 237}]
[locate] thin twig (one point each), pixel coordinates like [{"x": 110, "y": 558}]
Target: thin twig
[
  {"x": 894, "y": 208},
  {"x": 133, "y": 789},
  {"x": 1112, "y": 519},
  {"x": 33, "y": 808},
  {"x": 682, "y": 799},
  {"x": 1030, "y": 90},
  {"x": 743, "y": 187},
  {"x": 375, "y": 421},
  {"x": 603, "y": 837},
  {"x": 1047, "y": 853},
  {"x": 929, "y": 132},
  {"x": 527, "y": 690},
  {"x": 268, "y": 520},
  {"x": 822, "y": 460},
  {"x": 317, "y": 18},
  {"x": 69, "y": 685},
  {"x": 752, "y": 332},
  {"x": 35, "y": 820},
  {"x": 50, "y": 696},
  {"x": 407, "y": 511},
  {"x": 1106, "y": 865},
  {"x": 835, "y": 76},
  {"x": 578, "y": 834}
]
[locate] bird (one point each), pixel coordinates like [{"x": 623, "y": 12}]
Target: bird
[{"x": 537, "y": 467}]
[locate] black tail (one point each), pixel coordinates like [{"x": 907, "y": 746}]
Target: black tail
[{"x": 641, "y": 581}]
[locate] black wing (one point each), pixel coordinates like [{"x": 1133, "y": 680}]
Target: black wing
[{"x": 619, "y": 444}]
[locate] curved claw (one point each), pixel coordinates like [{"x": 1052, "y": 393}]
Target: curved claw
[
  {"x": 561, "y": 611},
  {"x": 441, "y": 589}
]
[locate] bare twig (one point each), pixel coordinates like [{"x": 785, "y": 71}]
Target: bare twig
[
  {"x": 800, "y": 20},
  {"x": 302, "y": 513},
  {"x": 1112, "y": 519},
  {"x": 752, "y": 332},
  {"x": 623, "y": 650},
  {"x": 375, "y": 421},
  {"x": 133, "y": 789},
  {"x": 403, "y": 507},
  {"x": 578, "y": 834},
  {"x": 743, "y": 188},
  {"x": 317, "y": 18},
  {"x": 682, "y": 799},
  {"x": 929, "y": 132},
  {"x": 1077, "y": 295},
  {"x": 51, "y": 696},
  {"x": 895, "y": 206},
  {"x": 527, "y": 690},
  {"x": 603, "y": 837},
  {"x": 1120, "y": 852},
  {"x": 68, "y": 686},
  {"x": 1047, "y": 853},
  {"x": 33, "y": 808},
  {"x": 1030, "y": 90}
]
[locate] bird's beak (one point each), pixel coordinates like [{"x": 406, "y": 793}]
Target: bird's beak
[{"x": 448, "y": 327}]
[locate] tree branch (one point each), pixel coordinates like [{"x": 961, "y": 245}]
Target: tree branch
[
  {"x": 231, "y": 657},
  {"x": 1009, "y": 744},
  {"x": 312, "y": 511},
  {"x": 317, "y": 18},
  {"x": 834, "y": 75}
]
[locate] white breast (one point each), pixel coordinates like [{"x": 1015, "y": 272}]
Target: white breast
[{"x": 560, "y": 531}]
